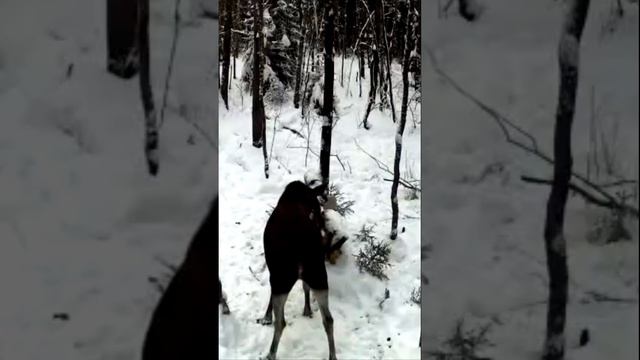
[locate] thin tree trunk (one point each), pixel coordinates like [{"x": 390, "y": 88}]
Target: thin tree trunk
[
  {"x": 401, "y": 125},
  {"x": 555, "y": 243},
  {"x": 373, "y": 77},
  {"x": 257, "y": 111},
  {"x": 123, "y": 58},
  {"x": 388, "y": 62},
  {"x": 151, "y": 123},
  {"x": 296, "y": 92},
  {"x": 342, "y": 69},
  {"x": 226, "y": 51},
  {"x": 327, "y": 104}
]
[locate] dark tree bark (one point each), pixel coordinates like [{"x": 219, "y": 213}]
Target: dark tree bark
[
  {"x": 296, "y": 91},
  {"x": 403, "y": 120},
  {"x": 373, "y": 78},
  {"x": 257, "y": 111},
  {"x": 327, "y": 104},
  {"x": 351, "y": 23},
  {"x": 362, "y": 76},
  {"x": 555, "y": 243},
  {"x": 388, "y": 82},
  {"x": 151, "y": 123},
  {"x": 226, "y": 50},
  {"x": 122, "y": 49}
]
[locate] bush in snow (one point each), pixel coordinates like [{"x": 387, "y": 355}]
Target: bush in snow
[
  {"x": 374, "y": 256},
  {"x": 343, "y": 206},
  {"x": 365, "y": 233},
  {"x": 463, "y": 344},
  {"x": 610, "y": 227}
]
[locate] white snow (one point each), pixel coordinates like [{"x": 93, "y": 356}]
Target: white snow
[
  {"x": 285, "y": 41},
  {"x": 362, "y": 330},
  {"x": 487, "y": 259},
  {"x": 82, "y": 224}
]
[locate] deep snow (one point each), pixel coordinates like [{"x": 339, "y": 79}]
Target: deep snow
[
  {"x": 483, "y": 224},
  {"x": 362, "y": 329}
]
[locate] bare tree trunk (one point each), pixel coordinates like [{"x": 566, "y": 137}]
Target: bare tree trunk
[
  {"x": 362, "y": 76},
  {"x": 257, "y": 111},
  {"x": 388, "y": 62},
  {"x": 123, "y": 58},
  {"x": 226, "y": 51},
  {"x": 151, "y": 123},
  {"x": 327, "y": 104},
  {"x": 296, "y": 91},
  {"x": 555, "y": 243},
  {"x": 373, "y": 77},
  {"x": 403, "y": 120}
]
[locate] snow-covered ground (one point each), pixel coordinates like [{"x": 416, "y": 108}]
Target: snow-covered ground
[
  {"x": 82, "y": 225},
  {"x": 486, "y": 262},
  {"x": 362, "y": 329}
]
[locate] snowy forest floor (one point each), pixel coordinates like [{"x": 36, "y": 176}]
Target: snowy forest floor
[
  {"x": 363, "y": 329},
  {"x": 484, "y": 226},
  {"x": 82, "y": 225}
]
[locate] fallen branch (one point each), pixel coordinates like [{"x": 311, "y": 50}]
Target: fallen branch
[
  {"x": 506, "y": 125},
  {"x": 586, "y": 195},
  {"x": 384, "y": 167},
  {"x": 600, "y": 297}
]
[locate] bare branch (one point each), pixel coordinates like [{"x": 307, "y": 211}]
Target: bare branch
[
  {"x": 293, "y": 131},
  {"x": 405, "y": 184},
  {"x": 586, "y": 195},
  {"x": 318, "y": 155},
  {"x": 506, "y": 124},
  {"x": 385, "y": 168}
]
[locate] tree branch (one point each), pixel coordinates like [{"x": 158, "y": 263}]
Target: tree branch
[
  {"x": 614, "y": 205},
  {"x": 507, "y": 124},
  {"x": 385, "y": 168}
]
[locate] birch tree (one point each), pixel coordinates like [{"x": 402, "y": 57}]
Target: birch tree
[
  {"x": 327, "y": 104},
  {"x": 408, "y": 45},
  {"x": 554, "y": 240}
]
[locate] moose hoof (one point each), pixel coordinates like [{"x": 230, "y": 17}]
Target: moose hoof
[
  {"x": 307, "y": 313},
  {"x": 265, "y": 321}
]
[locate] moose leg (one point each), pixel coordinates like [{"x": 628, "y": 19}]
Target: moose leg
[
  {"x": 278, "y": 311},
  {"x": 322, "y": 296},
  {"x": 222, "y": 300},
  {"x": 267, "y": 319},
  {"x": 307, "y": 305}
]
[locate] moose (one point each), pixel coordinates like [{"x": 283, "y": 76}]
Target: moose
[
  {"x": 184, "y": 320},
  {"x": 294, "y": 249}
]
